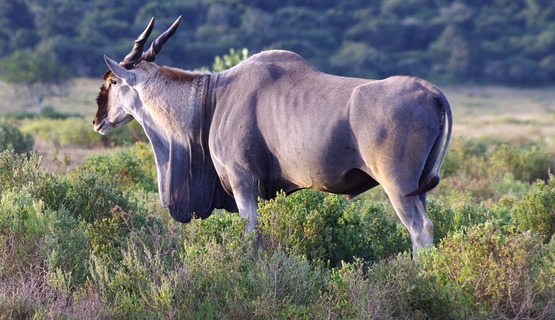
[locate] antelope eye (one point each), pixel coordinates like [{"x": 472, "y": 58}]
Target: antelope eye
[{"x": 113, "y": 81}]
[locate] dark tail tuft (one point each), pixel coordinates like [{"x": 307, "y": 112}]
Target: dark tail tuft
[{"x": 431, "y": 182}]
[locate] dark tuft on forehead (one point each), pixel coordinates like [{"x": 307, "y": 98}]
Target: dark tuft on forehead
[
  {"x": 102, "y": 99},
  {"x": 102, "y": 96}
]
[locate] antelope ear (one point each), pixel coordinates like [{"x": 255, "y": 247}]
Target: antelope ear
[{"x": 120, "y": 72}]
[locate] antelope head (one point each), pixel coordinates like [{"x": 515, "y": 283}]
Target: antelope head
[{"x": 118, "y": 98}]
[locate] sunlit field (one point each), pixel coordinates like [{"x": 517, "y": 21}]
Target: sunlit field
[{"x": 511, "y": 113}]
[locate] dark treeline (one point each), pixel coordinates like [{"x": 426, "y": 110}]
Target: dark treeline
[{"x": 479, "y": 41}]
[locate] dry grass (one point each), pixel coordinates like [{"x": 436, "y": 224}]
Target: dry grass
[{"x": 67, "y": 158}]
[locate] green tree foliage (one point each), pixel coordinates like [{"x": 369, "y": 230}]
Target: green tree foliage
[
  {"x": 229, "y": 60},
  {"x": 476, "y": 41},
  {"x": 17, "y": 29}
]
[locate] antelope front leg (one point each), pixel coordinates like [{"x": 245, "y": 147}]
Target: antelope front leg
[{"x": 247, "y": 202}]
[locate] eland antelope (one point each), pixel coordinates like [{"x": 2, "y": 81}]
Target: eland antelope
[{"x": 274, "y": 122}]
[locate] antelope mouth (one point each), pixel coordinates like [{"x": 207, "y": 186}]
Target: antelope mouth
[
  {"x": 103, "y": 128},
  {"x": 106, "y": 126}
]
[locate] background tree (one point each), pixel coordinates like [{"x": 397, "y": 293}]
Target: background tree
[
  {"x": 487, "y": 41},
  {"x": 230, "y": 60},
  {"x": 17, "y": 29},
  {"x": 38, "y": 74}
]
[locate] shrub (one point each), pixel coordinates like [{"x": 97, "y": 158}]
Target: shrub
[
  {"x": 328, "y": 228},
  {"x": 38, "y": 295},
  {"x": 91, "y": 196},
  {"x": 495, "y": 267},
  {"x": 287, "y": 286},
  {"x": 459, "y": 212},
  {"x": 488, "y": 168},
  {"x": 442, "y": 220},
  {"x": 68, "y": 247},
  {"x": 134, "y": 167},
  {"x": 11, "y": 138},
  {"x": 392, "y": 288},
  {"x": 545, "y": 280},
  {"x": 536, "y": 210},
  {"x": 203, "y": 270},
  {"x": 165, "y": 273},
  {"x": 22, "y": 226},
  {"x": 19, "y": 171},
  {"x": 84, "y": 193},
  {"x": 526, "y": 162},
  {"x": 460, "y": 152}
]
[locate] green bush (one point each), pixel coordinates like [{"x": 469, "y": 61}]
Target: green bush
[
  {"x": 460, "y": 212},
  {"x": 461, "y": 153},
  {"x": 67, "y": 245},
  {"x": 23, "y": 223},
  {"x": 536, "y": 210},
  {"x": 134, "y": 167},
  {"x": 329, "y": 228},
  {"x": 36, "y": 236},
  {"x": 489, "y": 168},
  {"x": 91, "y": 196},
  {"x": 204, "y": 270},
  {"x": 392, "y": 288},
  {"x": 288, "y": 287},
  {"x": 19, "y": 171},
  {"x": 545, "y": 280},
  {"x": 169, "y": 270},
  {"x": 39, "y": 209},
  {"x": 496, "y": 268},
  {"x": 95, "y": 242},
  {"x": 85, "y": 194},
  {"x": 11, "y": 138},
  {"x": 526, "y": 162},
  {"x": 442, "y": 220},
  {"x": 27, "y": 172}
]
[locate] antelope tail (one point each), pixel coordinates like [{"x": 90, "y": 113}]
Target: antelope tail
[{"x": 430, "y": 178}]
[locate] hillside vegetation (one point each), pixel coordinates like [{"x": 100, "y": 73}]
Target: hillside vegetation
[{"x": 493, "y": 41}]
